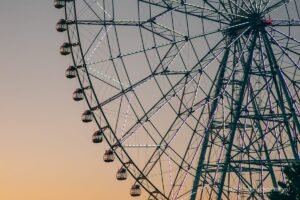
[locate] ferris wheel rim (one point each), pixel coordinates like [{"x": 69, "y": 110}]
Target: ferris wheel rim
[{"x": 103, "y": 113}]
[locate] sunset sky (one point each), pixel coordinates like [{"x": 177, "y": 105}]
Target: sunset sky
[
  {"x": 189, "y": 98},
  {"x": 45, "y": 150}
]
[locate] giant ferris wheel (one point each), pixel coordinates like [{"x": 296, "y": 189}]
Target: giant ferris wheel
[{"x": 197, "y": 99}]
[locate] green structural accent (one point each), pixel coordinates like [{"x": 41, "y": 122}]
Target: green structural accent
[
  {"x": 276, "y": 71},
  {"x": 208, "y": 130},
  {"x": 237, "y": 113}
]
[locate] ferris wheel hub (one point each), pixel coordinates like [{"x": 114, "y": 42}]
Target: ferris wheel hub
[{"x": 244, "y": 24}]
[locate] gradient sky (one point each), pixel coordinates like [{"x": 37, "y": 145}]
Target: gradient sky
[{"x": 46, "y": 152}]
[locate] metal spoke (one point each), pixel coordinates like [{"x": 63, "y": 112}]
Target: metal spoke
[
  {"x": 192, "y": 10},
  {"x": 110, "y": 22},
  {"x": 288, "y": 23},
  {"x": 275, "y": 6}
]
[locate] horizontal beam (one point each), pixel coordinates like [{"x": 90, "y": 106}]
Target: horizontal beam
[
  {"x": 111, "y": 22},
  {"x": 291, "y": 22}
]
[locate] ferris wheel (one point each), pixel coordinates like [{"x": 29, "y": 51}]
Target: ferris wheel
[{"x": 197, "y": 99}]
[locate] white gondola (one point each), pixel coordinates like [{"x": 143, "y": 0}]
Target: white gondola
[
  {"x": 87, "y": 116},
  {"x": 60, "y": 3},
  {"x": 135, "y": 190},
  {"x": 121, "y": 174},
  {"x": 108, "y": 156},
  {"x": 71, "y": 72},
  {"x": 97, "y": 137},
  {"x": 78, "y": 95},
  {"x": 65, "y": 49},
  {"x": 61, "y": 25}
]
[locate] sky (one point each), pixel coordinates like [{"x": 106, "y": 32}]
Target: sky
[{"x": 46, "y": 151}]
